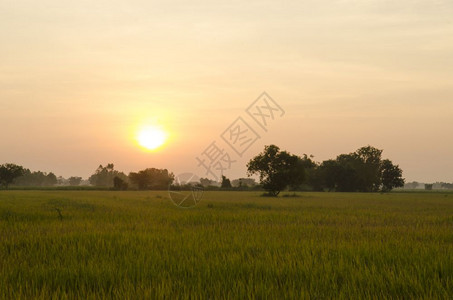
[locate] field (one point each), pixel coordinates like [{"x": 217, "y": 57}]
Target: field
[{"x": 233, "y": 245}]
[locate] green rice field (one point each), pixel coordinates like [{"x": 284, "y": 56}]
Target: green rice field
[{"x": 233, "y": 245}]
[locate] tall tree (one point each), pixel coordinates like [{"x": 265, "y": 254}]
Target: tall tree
[
  {"x": 277, "y": 169},
  {"x": 120, "y": 184},
  {"x": 9, "y": 172},
  {"x": 104, "y": 176},
  {"x": 36, "y": 178},
  {"x": 226, "y": 183},
  {"x": 51, "y": 179},
  {"x": 368, "y": 167},
  {"x": 152, "y": 179},
  {"x": 391, "y": 176},
  {"x": 328, "y": 174},
  {"x": 74, "y": 180},
  {"x": 312, "y": 176},
  {"x": 360, "y": 171},
  {"x": 347, "y": 175}
]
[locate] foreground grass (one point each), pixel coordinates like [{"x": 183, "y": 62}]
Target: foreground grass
[{"x": 88, "y": 244}]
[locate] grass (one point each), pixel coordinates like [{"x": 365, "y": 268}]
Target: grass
[{"x": 129, "y": 245}]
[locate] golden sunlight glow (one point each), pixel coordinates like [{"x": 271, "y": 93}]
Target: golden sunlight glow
[{"x": 151, "y": 137}]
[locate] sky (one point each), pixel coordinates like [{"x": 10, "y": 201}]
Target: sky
[{"x": 78, "y": 79}]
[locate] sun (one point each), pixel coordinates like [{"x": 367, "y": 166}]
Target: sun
[{"x": 151, "y": 137}]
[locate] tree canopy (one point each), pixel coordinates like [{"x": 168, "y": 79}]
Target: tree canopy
[
  {"x": 361, "y": 171},
  {"x": 277, "y": 169},
  {"x": 226, "y": 183},
  {"x": 36, "y": 178},
  {"x": 152, "y": 179},
  {"x": 74, "y": 180},
  {"x": 9, "y": 172},
  {"x": 104, "y": 176}
]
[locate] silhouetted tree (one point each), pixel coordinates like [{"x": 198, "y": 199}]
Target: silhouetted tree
[
  {"x": 120, "y": 184},
  {"x": 226, "y": 184},
  {"x": 368, "y": 168},
  {"x": 357, "y": 171},
  {"x": 243, "y": 182},
  {"x": 311, "y": 176},
  {"x": 347, "y": 177},
  {"x": 61, "y": 180},
  {"x": 152, "y": 178},
  {"x": 51, "y": 179},
  {"x": 391, "y": 176},
  {"x": 277, "y": 169},
  {"x": 208, "y": 182},
  {"x": 328, "y": 173},
  {"x": 74, "y": 181},
  {"x": 37, "y": 178},
  {"x": 360, "y": 171},
  {"x": 103, "y": 176},
  {"x": 9, "y": 172}
]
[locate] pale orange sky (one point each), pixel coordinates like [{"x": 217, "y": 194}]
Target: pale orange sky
[{"x": 78, "y": 78}]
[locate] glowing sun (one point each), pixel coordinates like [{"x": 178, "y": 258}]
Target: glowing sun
[{"x": 151, "y": 137}]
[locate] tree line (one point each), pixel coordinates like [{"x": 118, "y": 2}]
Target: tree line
[
  {"x": 363, "y": 170},
  {"x": 428, "y": 186},
  {"x": 107, "y": 177},
  {"x": 147, "y": 179},
  {"x": 103, "y": 177}
]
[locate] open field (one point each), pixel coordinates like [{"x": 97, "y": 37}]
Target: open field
[{"x": 92, "y": 244}]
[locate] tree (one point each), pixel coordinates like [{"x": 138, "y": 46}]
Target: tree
[
  {"x": 226, "y": 184},
  {"x": 103, "y": 176},
  {"x": 428, "y": 186},
  {"x": 208, "y": 182},
  {"x": 368, "y": 168},
  {"x": 51, "y": 179},
  {"x": 311, "y": 177},
  {"x": 37, "y": 178},
  {"x": 391, "y": 176},
  {"x": 152, "y": 179},
  {"x": 9, "y": 172},
  {"x": 61, "y": 180},
  {"x": 243, "y": 182},
  {"x": 445, "y": 185},
  {"x": 347, "y": 175},
  {"x": 277, "y": 169},
  {"x": 359, "y": 171},
  {"x": 328, "y": 172},
  {"x": 74, "y": 181},
  {"x": 411, "y": 185},
  {"x": 120, "y": 184}
]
